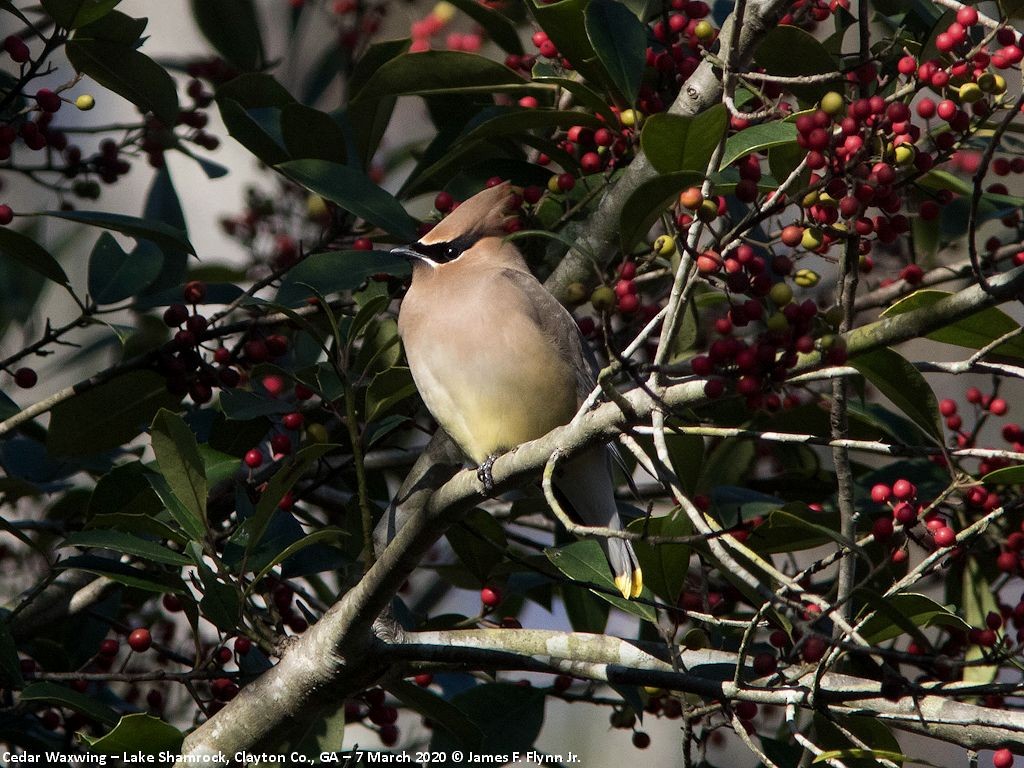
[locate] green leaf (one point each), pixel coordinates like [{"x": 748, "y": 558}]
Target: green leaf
[
  {"x": 115, "y": 26},
  {"x": 583, "y": 94},
  {"x": 498, "y": 27},
  {"x": 441, "y": 713},
  {"x": 72, "y": 14},
  {"x": 437, "y": 72},
  {"x": 115, "y": 275},
  {"x": 311, "y": 134},
  {"x": 10, "y": 664},
  {"x": 676, "y": 143},
  {"x": 584, "y": 562},
  {"x": 129, "y": 73},
  {"x": 649, "y": 201},
  {"x": 973, "y": 332},
  {"x": 221, "y": 603},
  {"x": 792, "y": 52},
  {"x": 282, "y": 481},
  {"x": 564, "y": 23},
  {"x": 255, "y": 129},
  {"x": 386, "y": 390},
  {"x": 163, "y": 235},
  {"x": 479, "y": 541},
  {"x": 108, "y": 415},
  {"x": 28, "y": 252},
  {"x": 1005, "y": 476},
  {"x": 177, "y": 455},
  {"x": 977, "y": 600},
  {"x": 329, "y": 535},
  {"x": 664, "y": 565},
  {"x": 354, "y": 192},
  {"x": 757, "y": 138},
  {"x": 508, "y": 717},
  {"x": 136, "y": 578},
  {"x": 137, "y": 733},
  {"x": 242, "y": 405},
  {"x": 255, "y": 89},
  {"x": 218, "y": 466},
  {"x": 65, "y": 697},
  {"x": 620, "y": 42},
  {"x": 126, "y": 543},
  {"x": 233, "y": 29},
  {"x": 904, "y": 385},
  {"x": 896, "y": 614}
]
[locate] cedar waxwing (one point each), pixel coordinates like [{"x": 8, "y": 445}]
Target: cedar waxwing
[{"x": 499, "y": 361}]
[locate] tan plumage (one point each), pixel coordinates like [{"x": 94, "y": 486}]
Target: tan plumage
[{"x": 498, "y": 361}]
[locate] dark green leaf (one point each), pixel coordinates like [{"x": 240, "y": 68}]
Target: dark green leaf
[
  {"x": 676, "y": 143},
  {"x": 242, "y": 405},
  {"x": 255, "y": 89},
  {"x": 792, "y": 52},
  {"x": 354, "y": 192},
  {"x": 441, "y": 713},
  {"x": 311, "y": 134},
  {"x": 72, "y": 14},
  {"x": 649, "y": 201},
  {"x": 115, "y": 275},
  {"x": 221, "y": 603},
  {"x": 479, "y": 541},
  {"x": 126, "y": 543},
  {"x": 218, "y": 466},
  {"x": 586, "y": 612},
  {"x": 977, "y": 601},
  {"x": 331, "y": 535},
  {"x": 26, "y": 251},
  {"x": 564, "y": 23},
  {"x": 585, "y": 562},
  {"x": 137, "y": 578},
  {"x": 115, "y": 26},
  {"x": 620, "y": 42},
  {"x": 584, "y": 95},
  {"x": 322, "y": 734},
  {"x": 894, "y": 614},
  {"x": 974, "y": 332},
  {"x": 437, "y": 72},
  {"x": 369, "y": 118},
  {"x": 254, "y": 130},
  {"x": 233, "y": 29},
  {"x": 108, "y": 415},
  {"x": 757, "y": 138},
  {"x": 129, "y": 73},
  {"x": 162, "y": 234},
  {"x": 65, "y": 697},
  {"x": 177, "y": 455},
  {"x": 664, "y": 565},
  {"x": 1005, "y": 476},
  {"x": 509, "y": 718},
  {"x": 333, "y": 271},
  {"x": 387, "y": 389},
  {"x": 10, "y": 664},
  {"x": 124, "y": 488},
  {"x": 904, "y": 385},
  {"x": 138, "y": 733}
]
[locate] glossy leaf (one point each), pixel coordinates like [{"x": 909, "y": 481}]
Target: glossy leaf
[
  {"x": 128, "y": 73},
  {"x": 436, "y": 72},
  {"x": 758, "y": 138},
  {"x": 108, "y": 415},
  {"x": 232, "y": 27},
  {"x": 65, "y": 697},
  {"x": 326, "y": 535},
  {"x": 620, "y": 42},
  {"x": 584, "y": 562},
  {"x": 974, "y": 331},
  {"x": 115, "y": 275},
  {"x": 177, "y": 455},
  {"x": 676, "y": 143},
  {"x": 904, "y": 385},
  {"x": 125, "y": 543},
  {"x": 311, "y": 134},
  {"x": 909, "y": 608},
  {"x": 664, "y": 565},
  {"x": 218, "y": 466},
  {"x": 10, "y": 664},
  {"x": 137, "y": 733},
  {"x": 586, "y": 612},
  {"x": 242, "y": 405},
  {"x": 977, "y": 601},
  {"x": 508, "y": 717},
  {"x": 792, "y": 52},
  {"x": 114, "y": 26},
  {"x": 387, "y": 389},
  {"x": 354, "y": 192},
  {"x": 649, "y": 201},
  {"x": 27, "y": 252},
  {"x": 251, "y": 132},
  {"x": 585, "y": 96},
  {"x": 564, "y": 23},
  {"x": 136, "y": 578},
  {"x": 1005, "y": 476},
  {"x": 334, "y": 271},
  {"x": 221, "y": 603},
  {"x": 479, "y": 542},
  {"x": 73, "y": 14},
  {"x": 162, "y": 234}
]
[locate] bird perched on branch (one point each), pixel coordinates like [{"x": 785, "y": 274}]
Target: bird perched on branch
[{"x": 499, "y": 361}]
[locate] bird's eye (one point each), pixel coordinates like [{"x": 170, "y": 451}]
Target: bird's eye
[{"x": 451, "y": 252}]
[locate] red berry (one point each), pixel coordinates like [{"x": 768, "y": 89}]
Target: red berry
[
  {"x": 253, "y": 458},
  {"x": 882, "y": 529},
  {"x": 903, "y": 489},
  {"x": 880, "y": 493},
  {"x": 47, "y": 100},
  {"x": 745, "y": 710},
  {"x": 974, "y": 395},
  {"x": 275, "y": 385},
  {"x": 641, "y": 740},
  {"x": 293, "y": 420},
  {"x": 765, "y": 663},
  {"x": 281, "y": 444},
  {"x": 814, "y": 649},
  {"x": 362, "y": 244},
  {"x": 242, "y": 645},
  {"x": 16, "y": 48},
  {"x": 967, "y": 16},
  {"x": 171, "y": 603},
  {"x": 944, "y": 536},
  {"x": 998, "y": 407},
  {"x": 424, "y": 679},
  {"x": 109, "y": 647},
  {"x": 26, "y": 378},
  {"x": 444, "y": 202},
  {"x": 1006, "y": 562},
  {"x": 6, "y": 214},
  {"x": 195, "y": 291},
  {"x": 947, "y": 407},
  {"x": 566, "y": 181},
  {"x": 140, "y": 640},
  {"x": 1001, "y": 758},
  {"x": 490, "y": 596}
]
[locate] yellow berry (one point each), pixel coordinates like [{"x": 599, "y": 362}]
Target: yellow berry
[
  {"x": 832, "y": 103},
  {"x": 444, "y": 11},
  {"x": 777, "y": 323},
  {"x": 317, "y": 433},
  {"x": 664, "y": 245},
  {"x": 316, "y": 207},
  {"x": 575, "y": 293},
  {"x": 970, "y": 93},
  {"x": 904, "y": 154},
  {"x": 812, "y": 238},
  {"x": 603, "y": 298},
  {"x": 781, "y": 294},
  {"x": 806, "y": 278},
  {"x": 704, "y": 31},
  {"x": 630, "y": 117},
  {"x": 708, "y": 211},
  {"x": 85, "y": 102}
]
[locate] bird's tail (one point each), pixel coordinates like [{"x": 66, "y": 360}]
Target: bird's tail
[{"x": 586, "y": 483}]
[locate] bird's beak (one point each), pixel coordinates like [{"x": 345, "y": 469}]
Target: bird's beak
[{"x": 407, "y": 253}]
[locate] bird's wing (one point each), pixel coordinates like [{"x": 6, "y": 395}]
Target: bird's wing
[{"x": 559, "y": 326}]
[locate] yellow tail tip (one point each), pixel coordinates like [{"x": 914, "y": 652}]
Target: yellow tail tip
[{"x": 630, "y": 584}]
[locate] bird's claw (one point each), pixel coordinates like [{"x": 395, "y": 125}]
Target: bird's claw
[{"x": 483, "y": 473}]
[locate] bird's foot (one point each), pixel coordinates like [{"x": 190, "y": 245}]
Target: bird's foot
[{"x": 484, "y": 474}]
